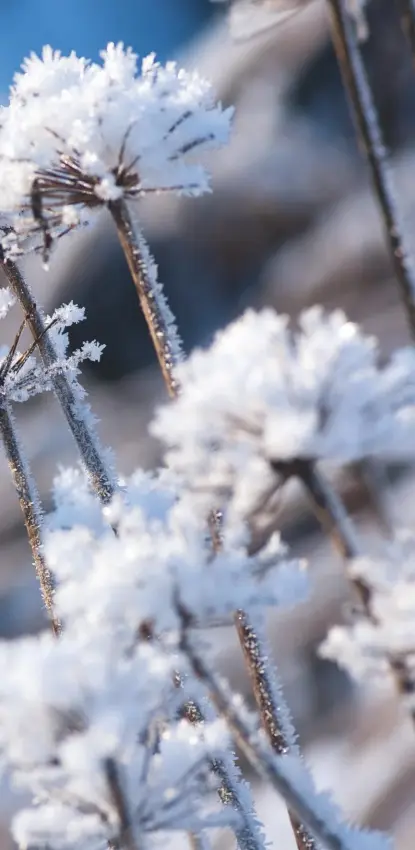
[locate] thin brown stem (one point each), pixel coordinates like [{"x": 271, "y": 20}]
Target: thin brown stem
[
  {"x": 335, "y": 521},
  {"x": 30, "y": 506},
  {"x": 373, "y": 475},
  {"x": 155, "y": 309},
  {"x": 232, "y": 791},
  {"x": 261, "y": 755},
  {"x": 406, "y": 10},
  {"x": 198, "y": 841},
  {"x": 82, "y": 431},
  {"x": 160, "y": 323},
  {"x": 126, "y": 837},
  {"x": 364, "y": 112},
  {"x": 273, "y": 710}
]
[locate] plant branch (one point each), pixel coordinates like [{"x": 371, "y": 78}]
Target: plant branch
[
  {"x": 156, "y": 311},
  {"x": 363, "y": 109},
  {"x": 232, "y": 791},
  {"x": 262, "y": 757},
  {"x": 82, "y": 431},
  {"x": 335, "y": 521},
  {"x": 164, "y": 335},
  {"x": 126, "y": 836},
  {"x": 30, "y": 506},
  {"x": 406, "y": 10},
  {"x": 273, "y": 710}
]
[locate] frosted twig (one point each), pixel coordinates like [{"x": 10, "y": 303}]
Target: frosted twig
[
  {"x": 406, "y": 10},
  {"x": 300, "y": 798},
  {"x": 358, "y": 89},
  {"x": 30, "y": 506},
  {"x": 273, "y": 710},
  {"x": 82, "y": 431},
  {"x": 335, "y": 521},
  {"x": 126, "y": 836},
  {"x": 160, "y": 320},
  {"x": 198, "y": 841}
]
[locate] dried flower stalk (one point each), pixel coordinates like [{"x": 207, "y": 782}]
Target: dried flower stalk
[{"x": 30, "y": 506}]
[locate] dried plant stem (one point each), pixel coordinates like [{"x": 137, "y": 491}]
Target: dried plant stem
[
  {"x": 406, "y": 10},
  {"x": 155, "y": 309},
  {"x": 82, "y": 431},
  {"x": 233, "y": 791},
  {"x": 363, "y": 108},
  {"x": 373, "y": 475},
  {"x": 198, "y": 841},
  {"x": 163, "y": 333},
  {"x": 273, "y": 710},
  {"x": 261, "y": 755},
  {"x": 126, "y": 838},
  {"x": 30, "y": 506},
  {"x": 337, "y": 524}
]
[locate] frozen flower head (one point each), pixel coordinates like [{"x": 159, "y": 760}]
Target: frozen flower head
[
  {"x": 78, "y": 135},
  {"x": 162, "y": 549},
  {"x": 265, "y": 394}
]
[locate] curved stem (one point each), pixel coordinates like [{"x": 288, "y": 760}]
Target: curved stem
[
  {"x": 160, "y": 320},
  {"x": 291, "y": 783},
  {"x": 363, "y": 109},
  {"x": 30, "y": 506}
]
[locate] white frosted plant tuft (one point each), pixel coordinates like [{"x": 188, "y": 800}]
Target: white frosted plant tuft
[
  {"x": 77, "y": 135},
  {"x": 265, "y": 393}
]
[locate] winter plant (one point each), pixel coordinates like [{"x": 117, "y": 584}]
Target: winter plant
[{"x": 114, "y": 721}]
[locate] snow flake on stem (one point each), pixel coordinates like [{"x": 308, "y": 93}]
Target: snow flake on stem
[{"x": 77, "y": 135}]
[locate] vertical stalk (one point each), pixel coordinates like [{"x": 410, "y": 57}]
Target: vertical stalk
[
  {"x": 263, "y": 759},
  {"x": 406, "y": 10},
  {"x": 335, "y": 521},
  {"x": 30, "y": 506},
  {"x": 274, "y": 711},
  {"x": 363, "y": 109},
  {"x": 160, "y": 320},
  {"x": 163, "y": 332},
  {"x": 82, "y": 431}
]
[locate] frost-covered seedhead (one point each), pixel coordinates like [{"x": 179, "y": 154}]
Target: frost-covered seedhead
[
  {"x": 93, "y": 717},
  {"x": 264, "y": 393},
  {"x": 368, "y": 646},
  {"x": 90, "y": 731},
  {"x": 78, "y": 135},
  {"x": 161, "y": 549},
  {"x": 22, "y": 375},
  {"x": 90, "y": 723}
]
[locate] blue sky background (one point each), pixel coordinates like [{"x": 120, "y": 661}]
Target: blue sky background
[{"x": 86, "y": 26}]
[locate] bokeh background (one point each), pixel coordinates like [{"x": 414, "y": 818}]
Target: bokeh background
[{"x": 291, "y": 222}]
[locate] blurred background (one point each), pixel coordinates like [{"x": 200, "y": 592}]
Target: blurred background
[{"x": 291, "y": 222}]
